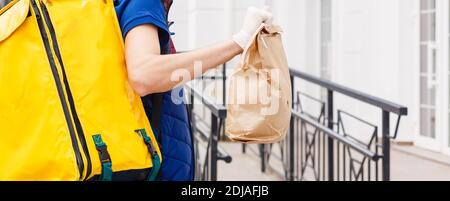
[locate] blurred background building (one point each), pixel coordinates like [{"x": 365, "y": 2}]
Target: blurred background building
[
  {"x": 393, "y": 49},
  {"x": 396, "y": 50}
]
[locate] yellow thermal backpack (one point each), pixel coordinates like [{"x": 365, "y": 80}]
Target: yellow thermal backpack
[{"x": 67, "y": 111}]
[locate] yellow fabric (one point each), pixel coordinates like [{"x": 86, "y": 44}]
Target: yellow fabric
[
  {"x": 11, "y": 20},
  {"x": 35, "y": 142}
]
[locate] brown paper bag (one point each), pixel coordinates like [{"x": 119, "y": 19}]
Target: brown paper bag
[{"x": 259, "y": 101}]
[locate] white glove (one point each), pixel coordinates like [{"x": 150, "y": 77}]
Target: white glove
[{"x": 253, "y": 20}]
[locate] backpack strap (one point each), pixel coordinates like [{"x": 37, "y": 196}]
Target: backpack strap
[
  {"x": 105, "y": 158},
  {"x": 153, "y": 153},
  {"x": 155, "y": 120}
]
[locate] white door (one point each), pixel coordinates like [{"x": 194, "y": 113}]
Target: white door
[
  {"x": 428, "y": 77},
  {"x": 446, "y": 63},
  {"x": 434, "y": 76}
]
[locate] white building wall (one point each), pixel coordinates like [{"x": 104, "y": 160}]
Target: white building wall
[
  {"x": 202, "y": 22},
  {"x": 408, "y": 67},
  {"x": 366, "y": 55}
]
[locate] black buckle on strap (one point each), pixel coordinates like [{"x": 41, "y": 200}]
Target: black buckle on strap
[
  {"x": 151, "y": 149},
  {"x": 104, "y": 155}
]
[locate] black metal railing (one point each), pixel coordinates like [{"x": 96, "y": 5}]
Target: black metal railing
[
  {"x": 325, "y": 146},
  {"x": 318, "y": 146}
]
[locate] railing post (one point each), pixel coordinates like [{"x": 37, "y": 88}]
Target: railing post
[
  {"x": 224, "y": 84},
  {"x": 262, "y": 152},
  {"x": 191, "y": 112},
  {"x": 292, "y": 138},
  {"x": 330, "y": 140},
  {"x": 224, "y": 95},
  {"x": 291, "y": 150},
  {"x": 386, "y": 146},
  {"x": 213, "y": 147},
  {"x": 192, "y": 127}
]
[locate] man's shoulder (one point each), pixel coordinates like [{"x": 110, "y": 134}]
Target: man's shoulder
[{"x": 131, "y": 7}]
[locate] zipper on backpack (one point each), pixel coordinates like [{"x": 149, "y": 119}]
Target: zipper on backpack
[
  {"x": 68, "y": 116},
  {"x": 76, "y": 119}
]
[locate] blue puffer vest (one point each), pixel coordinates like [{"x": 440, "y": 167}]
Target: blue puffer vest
[{"x": 176, "y": 140}]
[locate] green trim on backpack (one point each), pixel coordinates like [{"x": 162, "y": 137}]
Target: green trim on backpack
[
  {"x": 152, "y": 176},
  {"x": 105, "y": 158}
]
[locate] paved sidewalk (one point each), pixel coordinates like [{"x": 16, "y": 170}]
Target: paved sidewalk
[
  {"x": 415, "y": 164},
  {"x": 244, "y": 167},
  {"x": 408, "y": 164}
]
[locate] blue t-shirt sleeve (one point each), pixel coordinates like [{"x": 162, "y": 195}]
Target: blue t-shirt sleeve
[{"x": 132, "y": 13}]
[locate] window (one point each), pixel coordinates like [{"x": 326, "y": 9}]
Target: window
[
  {"x": 325, "y": 43},
  {"x": 325, "y": 39},
  {"x": 428, "y": 68}
]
